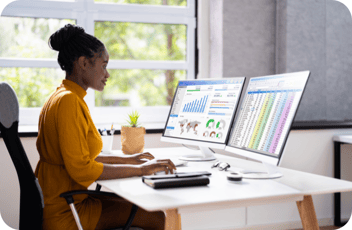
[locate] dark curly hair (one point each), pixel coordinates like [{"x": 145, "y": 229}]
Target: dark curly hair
[{"x": 73, "y": 42}]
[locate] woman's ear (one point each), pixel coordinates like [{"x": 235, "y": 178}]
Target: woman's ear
[{"x": 82, "y": 63}]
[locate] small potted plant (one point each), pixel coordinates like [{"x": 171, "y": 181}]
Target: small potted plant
[{"x": 132, "y": 135}]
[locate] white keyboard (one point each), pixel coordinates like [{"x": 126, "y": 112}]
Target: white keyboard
[{"x": 179, "y": 163}]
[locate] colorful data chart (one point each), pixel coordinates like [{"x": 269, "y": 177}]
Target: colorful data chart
[
  {"x": 210, "y": 124},
  {"x": 264, "y": 118},
  {"x": 221, "y": 124}
]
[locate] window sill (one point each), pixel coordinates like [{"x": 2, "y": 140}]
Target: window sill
[{"x": 32, "y": 130}]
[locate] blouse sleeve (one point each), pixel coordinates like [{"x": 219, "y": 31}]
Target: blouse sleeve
[{"x": 72, "y": 133}]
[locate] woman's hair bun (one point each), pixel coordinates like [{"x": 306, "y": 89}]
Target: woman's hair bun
[
  {"x": 72, "y": 42},
  {"x": 61, "y": 37}
]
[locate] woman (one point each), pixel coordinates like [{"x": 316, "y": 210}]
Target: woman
[{"x": 69, "y": 143}]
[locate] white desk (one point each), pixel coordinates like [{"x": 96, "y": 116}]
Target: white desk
[{"x": 294, "y": 186}]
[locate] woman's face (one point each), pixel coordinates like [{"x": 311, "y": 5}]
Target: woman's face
[{"x": 97, "y": 74}]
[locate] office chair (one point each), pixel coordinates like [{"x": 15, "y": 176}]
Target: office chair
[{"x": 31, "y": 196}]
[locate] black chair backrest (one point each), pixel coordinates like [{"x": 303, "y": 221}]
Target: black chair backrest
[{"x": 31, "y": 198}]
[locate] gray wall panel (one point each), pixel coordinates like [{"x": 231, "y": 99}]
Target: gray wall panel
[
  {"x": 281, "y": 29},
  {"x": 248, "y": 37},
  {"x": 305, "y": 50},
  {"x": 262, "y": 37},
  {"x": 338, "y": 61}
]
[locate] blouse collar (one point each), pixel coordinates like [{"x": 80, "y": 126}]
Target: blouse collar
[{"x": 74, "y": 87}]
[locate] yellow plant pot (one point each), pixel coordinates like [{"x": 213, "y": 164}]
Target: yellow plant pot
[{"x": 132, "y": 139}]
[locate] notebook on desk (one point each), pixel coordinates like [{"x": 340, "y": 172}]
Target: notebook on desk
[{"x": 177, "y": 180}]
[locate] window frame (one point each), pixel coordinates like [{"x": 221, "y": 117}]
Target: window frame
[{"x": 86, "y": 12}]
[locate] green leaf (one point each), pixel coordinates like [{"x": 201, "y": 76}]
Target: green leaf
[{"x": 133, "y": 119}]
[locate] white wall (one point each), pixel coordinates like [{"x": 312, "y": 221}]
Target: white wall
[
  {"x": 215, "y": 37},
  {"x": 309, "y": 151}
]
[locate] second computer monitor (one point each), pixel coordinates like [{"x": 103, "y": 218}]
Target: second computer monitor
[
  {"x": 201, "y": 114},
  {"x": 265, "y": 116}
]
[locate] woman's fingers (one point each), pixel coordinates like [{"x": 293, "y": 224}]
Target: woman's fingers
[
  {"x": 147, "y": 155},
  {"x": 169, "y": 162},
  {"x": 154, "y": 166},
  {"x": 168, "y": 166}
]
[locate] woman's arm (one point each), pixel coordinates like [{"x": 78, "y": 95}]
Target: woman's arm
[
  {"x": 148, "y": 168},
  {"x": 131, "y": 159}
]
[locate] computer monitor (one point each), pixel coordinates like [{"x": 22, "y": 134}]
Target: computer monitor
[
  {"x": 202, "y": 113},
  {"x": 264, "y": 119}
]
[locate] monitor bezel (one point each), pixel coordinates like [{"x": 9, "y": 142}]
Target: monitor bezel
[
  {"x": 274, "y": 160},
  {"x": 209, "y": 144}
]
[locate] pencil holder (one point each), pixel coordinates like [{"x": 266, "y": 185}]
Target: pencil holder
[{"x": 107, "y": 143}]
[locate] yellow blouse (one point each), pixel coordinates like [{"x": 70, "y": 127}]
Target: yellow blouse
[{"x": 68, "y": 142}]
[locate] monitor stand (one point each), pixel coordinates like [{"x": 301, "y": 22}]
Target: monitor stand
[
  {"x": 205, "y": 154},
  {"x": 272, "y": 172}
]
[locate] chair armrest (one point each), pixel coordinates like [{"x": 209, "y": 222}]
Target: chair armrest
[
  {"x": 98, "y": 187},
  {"x": 69, "y": 199}
]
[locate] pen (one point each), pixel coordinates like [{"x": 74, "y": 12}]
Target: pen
[
  {"x": 112, "y": 129},
  {"x": 104, "y": 133}
]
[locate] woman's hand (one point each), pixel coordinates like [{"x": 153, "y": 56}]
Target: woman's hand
[
  {"x": 140, "y": 158},
  {"x": 154, "y": 166},
  {"x": 116, "y": 171}
]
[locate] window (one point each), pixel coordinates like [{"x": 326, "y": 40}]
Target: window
[{"x": 150, "y": 43}]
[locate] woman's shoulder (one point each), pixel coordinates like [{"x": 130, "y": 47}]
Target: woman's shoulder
[
  {"x": 66, "y": 95},
  {"x": 70, "y": 101},
  {"x": 65, "y": 99}
]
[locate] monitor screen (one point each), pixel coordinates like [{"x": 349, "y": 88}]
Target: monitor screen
[
  {"x": 203, "y": 110},
  {"x": 266, "y": 113}
]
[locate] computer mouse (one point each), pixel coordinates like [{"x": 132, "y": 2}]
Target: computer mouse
[{"x": 234, "y": 177}]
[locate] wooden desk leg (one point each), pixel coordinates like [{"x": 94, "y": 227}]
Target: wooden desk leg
[
  {"x": 172, "y": 220},
  {"x": 307, "y": 213}
]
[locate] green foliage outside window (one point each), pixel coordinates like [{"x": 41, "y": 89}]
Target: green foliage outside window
[
  {"x": 32, "y": 85},
  {"x": 28, "y": 38},
  {"x": 138, "y": 88},
  {"x": 142, "y": 41}
]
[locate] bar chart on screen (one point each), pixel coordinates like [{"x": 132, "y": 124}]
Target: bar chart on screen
[
  {"x": 203, "y": 110},
  {"x": 196, "y": 105}
]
